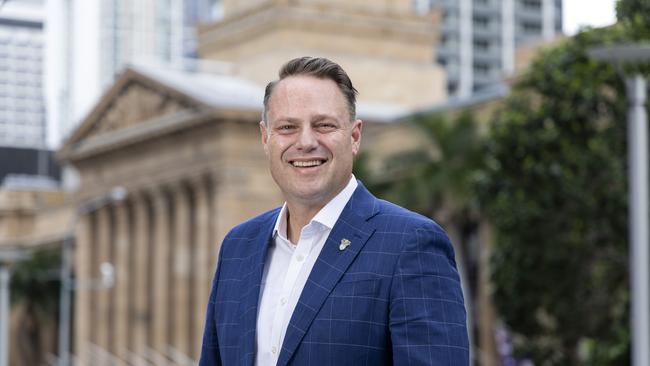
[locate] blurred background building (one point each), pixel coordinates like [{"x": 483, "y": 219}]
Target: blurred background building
[
  {"x": 22, "y": 107},
  {"x": 479, "y": 37},
  {"x": 22, "y": 100},
  {"x": 162, "y": 99},
  {"x": 90, "y": 42}
]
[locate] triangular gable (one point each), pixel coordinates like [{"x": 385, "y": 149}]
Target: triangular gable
[
  {"x": 148, "y": 94},
  {"x": 133, "y": 98},
  {"x": 136, "y": 103}
]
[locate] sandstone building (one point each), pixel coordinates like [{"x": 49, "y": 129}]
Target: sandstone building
[{"x": 186, "y": 148}]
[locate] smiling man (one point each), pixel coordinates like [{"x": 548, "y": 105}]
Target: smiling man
[{"x": 335, "y": 276}]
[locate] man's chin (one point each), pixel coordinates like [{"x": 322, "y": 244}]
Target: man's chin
[{"x": 309, "y": 196}]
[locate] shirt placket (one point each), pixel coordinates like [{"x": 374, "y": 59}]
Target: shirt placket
[{"x": 296, "y": 263}]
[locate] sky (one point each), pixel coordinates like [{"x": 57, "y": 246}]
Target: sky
[{"x": 596, "y": 13}]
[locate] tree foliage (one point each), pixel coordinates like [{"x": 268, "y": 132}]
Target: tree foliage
[
  {"x": 634, "y": 15},
  {"x": 555, "y": 190},
  {"x": 36, "y": 281},
  {"x": 35, "y": 289},
  {"x": 437, "y": 177},
  {"x": 553, "y": 183}
]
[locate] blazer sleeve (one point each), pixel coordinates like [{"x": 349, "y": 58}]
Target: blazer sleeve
[
  {"x": 427, "y": 318},
  {"x": 210, "y": 355}
]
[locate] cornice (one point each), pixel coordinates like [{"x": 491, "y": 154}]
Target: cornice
[
  {"x": 147, "y": 130},
  {"x": 324, "y": 19}
]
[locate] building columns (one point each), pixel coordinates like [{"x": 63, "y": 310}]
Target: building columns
[
  {"x": 83, "y": 252},
  {"x": 102, "y": 321},
  {"x": 181, "y": 268},
  {"x": 139, "y": 312},
  {"x": 122, "y": 280},
  {"x": 161, "y": 312},
  {"x": 162, "y": 245},
  {"x": 202, "y": 267}
]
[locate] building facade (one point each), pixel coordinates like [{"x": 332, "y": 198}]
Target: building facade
[
  {"x": 89, "y": 42},
  {"x": 479, "y": 37},
  {"x": 191, "y": 174},
  {"x": 383, "y": 45},
  {"x": 22, "y": 110}
]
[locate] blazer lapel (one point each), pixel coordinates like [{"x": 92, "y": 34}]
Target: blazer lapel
[
  {"x": 330, "y": 266},
  {"x": 252, "y": 284}
]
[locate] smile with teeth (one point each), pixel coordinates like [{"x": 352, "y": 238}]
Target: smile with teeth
[{"x": 308, "y": 163}]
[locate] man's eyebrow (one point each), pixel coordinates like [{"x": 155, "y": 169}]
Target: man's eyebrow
[
  {"x": 316, "y": 118},
  {"x": 286, "y": 119},
  {"x": 321, "y": 117}
]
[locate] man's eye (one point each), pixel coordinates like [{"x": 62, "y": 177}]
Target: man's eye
[
  {"x": 326, "y": 126},
  {"x": 285, "y": 127}
]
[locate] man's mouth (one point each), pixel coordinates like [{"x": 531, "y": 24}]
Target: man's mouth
[{"x": 307, "y": 163}]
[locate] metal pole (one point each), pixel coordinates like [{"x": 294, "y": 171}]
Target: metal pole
[
  {"x": 4, "y": 315},
  {"x": 638, "y": 211},
  {"x": 65, "y": 302}
]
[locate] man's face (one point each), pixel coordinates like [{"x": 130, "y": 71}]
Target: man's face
[{"x": 309, "y": 139}]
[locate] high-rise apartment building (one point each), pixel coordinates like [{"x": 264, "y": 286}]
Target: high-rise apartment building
[
  {"x": 22, "y": 112},
  {"x": 91, "y": 41},
  {"x": 479, "y": 37}
]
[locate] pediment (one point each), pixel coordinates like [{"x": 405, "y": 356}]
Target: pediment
[
  {"x": 144, "y": 103},
  {"x": 132, "y": 100},
  {"x": 137, "y": 103}
]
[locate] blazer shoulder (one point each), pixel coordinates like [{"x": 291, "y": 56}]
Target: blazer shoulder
[
  {"x": 251, "y": 227},
  {"x": 424, "y": 232},
  {"x": 413, "y": 220}
]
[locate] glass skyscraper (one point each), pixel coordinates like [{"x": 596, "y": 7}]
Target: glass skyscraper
[
  {"x": 22, "y": 114},
  {"x": 479, "y": 37}
]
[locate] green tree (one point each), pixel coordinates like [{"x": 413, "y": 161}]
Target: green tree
[
  {"x": 634, "y": 15},
  {"x": 555, "y": 190},
  {"x": 436, "y": 179},
  {"x": 35, "y": 289}
]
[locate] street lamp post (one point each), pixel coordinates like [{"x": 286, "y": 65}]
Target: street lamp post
[
  {"x": 637, "y": 134},
  {"x": 116, "y": 195},
  {"x": 7, "y": 257}
]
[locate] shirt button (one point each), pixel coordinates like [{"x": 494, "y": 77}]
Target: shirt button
[
  {"x": 300, "y": 258},
  {"x": 283, "y": 300},
  {"x": 274, "y": 349}
]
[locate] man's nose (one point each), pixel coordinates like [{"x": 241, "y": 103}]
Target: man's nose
[{"x": 307, "y": 139}]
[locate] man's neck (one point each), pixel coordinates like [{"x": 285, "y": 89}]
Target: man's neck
[
  {"x": 301, "y": 212},
  {"x": 298, "y": 216}
]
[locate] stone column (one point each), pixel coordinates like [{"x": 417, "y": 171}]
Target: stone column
[
  {"x": 160, "y": 332},
  {"x": 122, "y": 280},
  {"x": 181, "y": 270},
  {"x": 487, "y": 312},
  {"x": 202, "y": 267},
  {"x": 82, "y": 267},
  {"x": 217, "y": 227},
  {"x": 102, "y": 320},
  {"x": 139, "y": 313}
]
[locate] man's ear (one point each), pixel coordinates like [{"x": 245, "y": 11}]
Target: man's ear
[
  {"x": 265, "y": 136},
  {"x": 356, "y": 135}
]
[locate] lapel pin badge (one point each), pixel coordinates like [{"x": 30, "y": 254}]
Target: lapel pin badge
[{"x": 344, "y": 244}]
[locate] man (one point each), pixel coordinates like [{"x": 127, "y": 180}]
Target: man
[{"x": 335, "y": 276}]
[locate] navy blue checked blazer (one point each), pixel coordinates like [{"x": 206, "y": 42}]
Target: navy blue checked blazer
[{"x": 392, "y": 297}]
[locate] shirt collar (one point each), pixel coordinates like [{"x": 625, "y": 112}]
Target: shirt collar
[{"x": 327, "y": 216}]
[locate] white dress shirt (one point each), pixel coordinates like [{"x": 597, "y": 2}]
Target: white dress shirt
[{"x": 285, "y": 273}]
